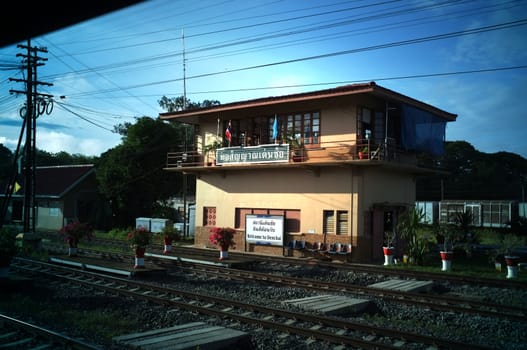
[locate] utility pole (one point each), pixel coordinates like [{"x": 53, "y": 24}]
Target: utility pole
[{"x": 36, "y": 104}]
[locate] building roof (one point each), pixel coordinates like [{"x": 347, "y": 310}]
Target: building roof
[
  {"x": 371, "y": 88},
  {"x": 57, "y": 181}
]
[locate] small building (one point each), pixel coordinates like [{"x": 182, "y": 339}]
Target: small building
[
  {"x": 335, "y": 165},
  {"x": 484, "y": 213},
  {"x": 62, "y": 194}
]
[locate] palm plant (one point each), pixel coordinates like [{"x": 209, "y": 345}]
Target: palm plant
[{"x": 416, "y": 236}]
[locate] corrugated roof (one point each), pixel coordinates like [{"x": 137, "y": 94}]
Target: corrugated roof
[
  {"x": 56, "y": 181},
  {"x": 352, "y": 89}
]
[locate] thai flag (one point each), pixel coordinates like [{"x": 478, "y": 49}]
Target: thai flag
[
  {"x": 228, "y": 133},
  {"x": 275, "y": 128}
]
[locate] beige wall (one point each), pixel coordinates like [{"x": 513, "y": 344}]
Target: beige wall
[{"x": 353, "y": 189}]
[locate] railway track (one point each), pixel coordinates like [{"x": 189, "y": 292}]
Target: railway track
[
  {"x": 437, "y": 302},
  {"x": 198, "y": 253},
  {"x": 20, "y": 335},
  {"x": 317, "y": 327}
]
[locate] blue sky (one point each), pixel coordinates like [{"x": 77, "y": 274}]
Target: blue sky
[{"x": 465, "y": 57}]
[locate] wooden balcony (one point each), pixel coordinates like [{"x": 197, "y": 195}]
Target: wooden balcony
[{"x": 334, "y": 153}]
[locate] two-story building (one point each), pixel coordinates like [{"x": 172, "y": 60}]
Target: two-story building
[{"x": 335, "y": 165}]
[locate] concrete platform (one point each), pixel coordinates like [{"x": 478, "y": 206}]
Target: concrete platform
[
  {"x": 115, "y": 267},
  {"x": 330, "y": 304},
  {"x": 229, "y": 262},
  {"x": 412, "y": 286},
  {"x": 196, "y": 335}
]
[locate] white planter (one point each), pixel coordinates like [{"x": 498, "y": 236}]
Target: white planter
[
  {"x": 446, "y": 260},
  {"x": 388, "y": 255},
  {"x": 167, "y": 248},
  {"x": 224, "y": 254},
  {"x": 139, "y": 263}
]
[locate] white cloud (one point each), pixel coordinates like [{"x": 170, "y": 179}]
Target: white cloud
[{"x": 54, "y": 142}]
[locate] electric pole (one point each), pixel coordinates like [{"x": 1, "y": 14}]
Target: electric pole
[{"x": 36, "y": 104}]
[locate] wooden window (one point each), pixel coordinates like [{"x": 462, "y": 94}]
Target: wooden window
[
  {"x": 305, "y": 127},
  {"x": 329, "y": 221},
  {"x": 209, "y": 216},
  {"x": 342, "y": 222}
]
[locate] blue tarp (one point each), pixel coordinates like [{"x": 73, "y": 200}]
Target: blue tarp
[{"x": 422, "y": 131}]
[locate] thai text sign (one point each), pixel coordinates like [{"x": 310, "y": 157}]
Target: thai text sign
[
  {"x": 264, "y": 229},
  {"x": 253, "y": 154}
]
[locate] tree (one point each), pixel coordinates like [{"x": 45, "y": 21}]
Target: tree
[
  {"x": 177, "y": 104},
  {"x": 131, "y": 175},
  {"x": 470, "y": 174},
  {"x": 6, "y": 163}
]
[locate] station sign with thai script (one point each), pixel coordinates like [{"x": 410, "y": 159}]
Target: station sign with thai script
[
  {"x": 254, "y": 154},
  {"x": 264, "y": 229}
]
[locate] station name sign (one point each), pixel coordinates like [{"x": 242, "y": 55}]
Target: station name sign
[
  {"x": 264, "y": 229},
  {"x": 254, "y": 154}
]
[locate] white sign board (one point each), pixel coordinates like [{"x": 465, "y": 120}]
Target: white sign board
[{"x": 264, "y": 229}]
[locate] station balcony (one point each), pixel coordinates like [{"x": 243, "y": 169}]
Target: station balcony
[{"x": 341, "y": 152}]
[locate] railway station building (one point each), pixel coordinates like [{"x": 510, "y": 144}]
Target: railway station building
[{"x": 334, "y": 165}]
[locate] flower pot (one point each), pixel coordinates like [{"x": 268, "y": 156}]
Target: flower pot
[
  {"x": 167, "y": 245},
  {"x": 388, "y": 255},
  {"x": 224, "y": 254},
  {"x": 73, "y": 247},
  {"x": 446, "y": 260},
  {"x": 512, "y": 266},
  {"x": 139, "y": 258}
]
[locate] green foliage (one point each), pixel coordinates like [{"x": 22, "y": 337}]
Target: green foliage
[
  {"x": 509, "y": 242},
  {"x": 177, "y": 104},
  {"x": 473, "y": 174},
  {"x": 450, "y": 234},
  {"x": 170, "y": 232},
  {"x": 8, "y": 246},
  {"x": 418, "y": 236},
  {"x": 118, "y": 233},
  {"x": 131, "y": 175},
  {"x": 139, "y": 237}
]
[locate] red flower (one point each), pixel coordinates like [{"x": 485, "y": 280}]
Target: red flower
[
  {"x": 75, "y": 231},
  {"x": 140, "y": 237},
  {"x": 222, "y": 237}
]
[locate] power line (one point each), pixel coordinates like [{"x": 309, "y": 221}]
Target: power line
[{"x": 332, "y": 54}]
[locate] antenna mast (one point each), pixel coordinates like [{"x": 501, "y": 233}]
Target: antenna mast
[{"x": 184, "y": 71}]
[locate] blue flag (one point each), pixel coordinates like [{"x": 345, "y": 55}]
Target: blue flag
[{"x": 275, "y": 128}]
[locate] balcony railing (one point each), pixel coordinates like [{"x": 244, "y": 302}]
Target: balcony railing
[{"x": 335, "y": 152}]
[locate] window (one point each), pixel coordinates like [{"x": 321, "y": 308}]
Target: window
[
  {"x": 329, "y": 221},
  {"x": 305, "y": 127},
  {"x": 209, "y": 216},
  {"x": 364, "y": 123},
  {"x": 342, "y": 222},
  {"x": 335, "y": 222},
  {"x": 254, "y": 131}
]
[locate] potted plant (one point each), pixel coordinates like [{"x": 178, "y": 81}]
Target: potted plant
[
  {"x": 508, "y": 244},
  {"x": 139, "y": 239},
  {"x": 296, "y": 148},
  {"x": 73, "y": 233},
  {"x": 169, "y": 234},
  {"x": 449, "y": 235},
  {"x": 223, "y": 237},
  {"x": 210, "y": 151},
  {"x": 364, "y": 153},
  {"x": 389, "y": 247},
  {"x": 8, "y": 250},
  {"x": 415, "y": 234}
]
